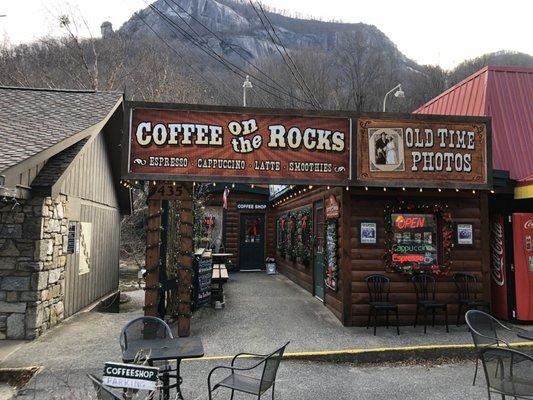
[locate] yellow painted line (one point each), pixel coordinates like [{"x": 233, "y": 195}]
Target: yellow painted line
[
  {"x": 523, "y": 192},
  {"x": 362, "y": 351}
]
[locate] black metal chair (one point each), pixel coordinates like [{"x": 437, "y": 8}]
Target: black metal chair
[
  {"x": 255, "y": 385},
  {"x": 483, "y": 328},
  {"x": 144, "y": 328},
  {"x": 149, "y": 328},
  {"x": 425, "y": 288},
  {"x": 467, "y": 292},
  {"x": 102, "y": 391},
  {"x": 508, "y": 372},
  {"x": 378, "y": 291}
]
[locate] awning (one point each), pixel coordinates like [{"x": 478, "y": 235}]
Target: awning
[{"x": 524, "y": 189}]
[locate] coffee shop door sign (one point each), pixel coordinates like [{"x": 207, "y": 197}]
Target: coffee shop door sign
[{"x": 332, "y": 242}]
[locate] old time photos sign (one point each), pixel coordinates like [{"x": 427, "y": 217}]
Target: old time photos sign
[
  {"x": 422, "y": 152},
  {"x": 203, "y": 145}
]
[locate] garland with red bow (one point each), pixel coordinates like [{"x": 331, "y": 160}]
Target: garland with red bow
[
  {"x": 446, "y": 235},
  {"x": 304, "y": 235},
  {"x": 282, "y": 235}
]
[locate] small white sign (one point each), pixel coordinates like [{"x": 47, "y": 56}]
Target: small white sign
[
  {"x": 130, "y": 376},
  {"x": 368, "y": 232},
  {"x": 465, "y": 234}
]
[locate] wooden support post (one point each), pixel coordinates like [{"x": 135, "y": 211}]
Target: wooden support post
[
  {"x": 185, "y": 271},
  {"x": 153, "y": 238},
  {"x": 183, "y": 193}
]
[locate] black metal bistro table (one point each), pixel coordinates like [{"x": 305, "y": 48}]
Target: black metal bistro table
[
  {"x": 166, "y": 349},
  {"x": 528, "y": 335}
]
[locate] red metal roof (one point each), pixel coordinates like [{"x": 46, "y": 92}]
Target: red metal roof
[{"x": 506, "y": 95}]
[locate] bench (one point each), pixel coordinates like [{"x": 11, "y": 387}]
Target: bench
[{"x": 220, "y": 272}]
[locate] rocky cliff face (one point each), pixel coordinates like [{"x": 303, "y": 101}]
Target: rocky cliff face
[{"x": 238, "y": 28}]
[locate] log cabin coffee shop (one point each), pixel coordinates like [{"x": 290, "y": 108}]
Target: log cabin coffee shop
[{"x": 391, "y": 194}]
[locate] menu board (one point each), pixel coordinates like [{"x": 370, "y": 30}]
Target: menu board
[
  {"x": 415, "y": 239},
  {"x": 203, "y": 273}
]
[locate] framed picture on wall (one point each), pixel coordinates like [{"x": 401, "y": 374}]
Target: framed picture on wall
[
  {"x": 369, "y": 232},
  {"x": 465, "y": 234}
]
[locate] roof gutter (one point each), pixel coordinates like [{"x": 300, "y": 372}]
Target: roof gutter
[{"x": 17, "y": 192}]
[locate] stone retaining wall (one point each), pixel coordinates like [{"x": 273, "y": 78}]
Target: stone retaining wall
[{"x": 33, "y": 244}]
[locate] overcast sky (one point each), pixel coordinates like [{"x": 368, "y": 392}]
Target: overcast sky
[{"x": 430, "y": 32}]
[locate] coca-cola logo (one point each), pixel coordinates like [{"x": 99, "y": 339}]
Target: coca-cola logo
[
  {"x": 528, "y": 224},
  {"x": 497, "y": 249}
]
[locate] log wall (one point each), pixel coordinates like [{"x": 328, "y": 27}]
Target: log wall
[
  {"x": 296, "y": 271},
  {"x": 363, "y": 260},
  {"x": 232, "y": 221}
]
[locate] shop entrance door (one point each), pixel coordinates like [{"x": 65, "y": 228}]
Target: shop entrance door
[
  {"x": 318, "y": 235},
  {"x": 252, "y": 242}
]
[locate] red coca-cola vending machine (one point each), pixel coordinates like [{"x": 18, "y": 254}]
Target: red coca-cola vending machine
[
  {"x": 523, "y": 265},
  {"x": 511, "y": 244}
]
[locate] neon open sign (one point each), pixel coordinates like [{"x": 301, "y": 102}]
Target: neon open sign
[{"x": 413, "y": 222}]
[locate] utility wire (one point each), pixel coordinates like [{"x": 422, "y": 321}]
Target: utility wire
[
  {"x": 223, "y": 42},
  {"x": 180, "y": 55},
  {"x": 230, "y": 90},
  {"x": 228, "y": 64},
  {"x": 282, "y": 55},
  {"x": 289, "y": 56},
  {"x": 190, "y": 38}
]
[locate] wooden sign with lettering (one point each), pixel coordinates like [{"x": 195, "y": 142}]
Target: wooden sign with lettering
[
  {"x": 332, "y": 207},
  {"x": 422, "y": 153},
  {"x": 187, "y": 145}
]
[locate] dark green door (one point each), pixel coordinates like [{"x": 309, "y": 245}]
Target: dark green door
[
  {"x": 318, "y": 234},
  {"x": 252, "y": 242}
]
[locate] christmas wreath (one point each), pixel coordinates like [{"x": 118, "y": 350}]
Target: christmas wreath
[
  {"x": 292, "y": 246},
  {"x": 445, "y": 244}
]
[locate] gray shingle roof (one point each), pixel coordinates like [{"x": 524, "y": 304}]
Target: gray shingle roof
[
  {"x": 56, "y": 165},
  {"x": 32, "y": 120}
]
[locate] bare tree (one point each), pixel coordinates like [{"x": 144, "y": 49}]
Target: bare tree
[{"x": 365, "y": 71}]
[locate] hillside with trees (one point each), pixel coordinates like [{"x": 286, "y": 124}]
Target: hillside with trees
[{"x": 199, "y": 51}]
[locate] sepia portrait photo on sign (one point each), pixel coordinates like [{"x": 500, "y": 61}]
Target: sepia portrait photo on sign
[{"x": 385, "y": 149}]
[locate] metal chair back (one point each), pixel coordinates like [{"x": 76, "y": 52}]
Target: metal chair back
[
  {"x": 102, "y": 392},
  {"x": 425, "y": 287},
  {"x": 466, "y": 285},
  {"x": 378, "y": 288},
  {"x": 482, "y": 327},
  {"x": 272, "y": 361},
  {"x": 144, "y": 328},
  {"x": 508, "y": 372}
]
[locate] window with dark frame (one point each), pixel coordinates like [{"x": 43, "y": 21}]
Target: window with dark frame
[
  {"x": 71, "y": 238},
  {"x": 416, "y": 239}
]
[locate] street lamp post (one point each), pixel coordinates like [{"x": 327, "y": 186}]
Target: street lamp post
[
  {"x": 399, "y": 93},
  {"x": 245, "y": 86}
]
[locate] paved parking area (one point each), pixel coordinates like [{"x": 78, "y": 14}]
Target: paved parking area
[
  {"x": 265, "y": 310},
  {"x": 300, "y": 381},
  {"x": 262, "y": 312}
]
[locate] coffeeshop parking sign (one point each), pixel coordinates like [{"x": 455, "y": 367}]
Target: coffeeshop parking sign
[{"x": 195, "y": 144}]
